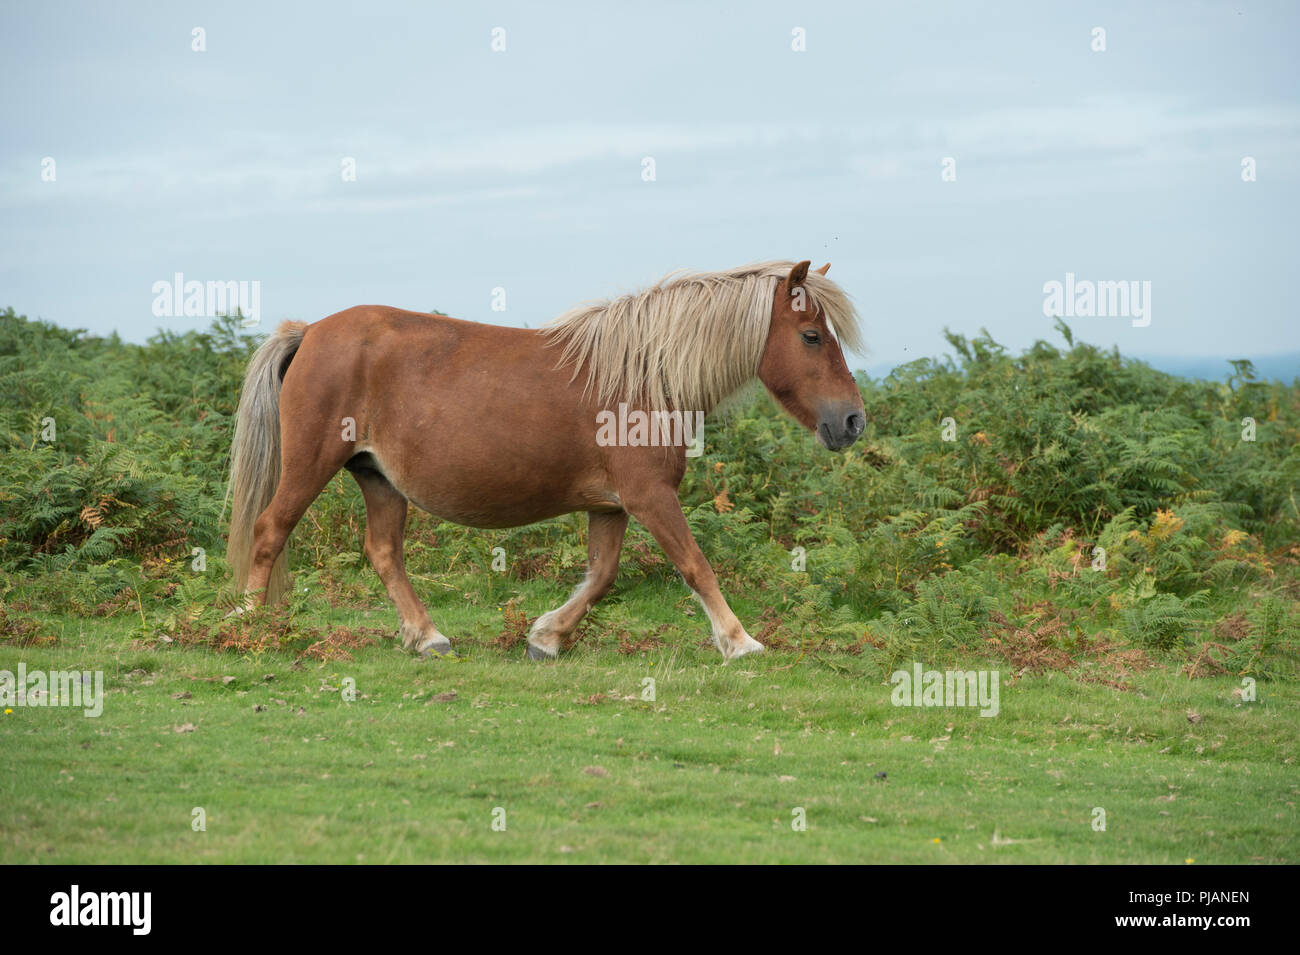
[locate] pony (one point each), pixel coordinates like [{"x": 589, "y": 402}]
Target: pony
[{"x": 494, "y": 427}]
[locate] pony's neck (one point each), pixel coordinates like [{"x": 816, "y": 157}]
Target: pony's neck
[
  {"x": 712, "y": 369},
  {"x": 688, "y": 345}
]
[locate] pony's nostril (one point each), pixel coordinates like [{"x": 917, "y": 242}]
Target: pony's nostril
[{"x": 855, "y": 424}]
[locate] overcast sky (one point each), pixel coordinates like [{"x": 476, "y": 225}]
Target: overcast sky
[{"x": 523, "y": 169}]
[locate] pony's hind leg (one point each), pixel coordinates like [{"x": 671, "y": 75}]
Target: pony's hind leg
[
  {"x": 385, "y": 530},
  {"x": 604, "y": 541},
  {"x": 299, "y": 485}
]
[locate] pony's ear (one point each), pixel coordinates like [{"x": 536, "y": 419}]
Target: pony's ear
[
  {"x": 824, "y": 269},
  {"x": 798, "y": 275}
]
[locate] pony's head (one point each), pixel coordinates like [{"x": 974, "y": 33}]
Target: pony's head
[{"x": 803, "y": 365}]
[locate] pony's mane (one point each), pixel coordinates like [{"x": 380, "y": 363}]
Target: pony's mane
[{"x": 691, "y": 339}]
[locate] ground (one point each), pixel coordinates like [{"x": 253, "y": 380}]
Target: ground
[{"x": 491, "y": 758}]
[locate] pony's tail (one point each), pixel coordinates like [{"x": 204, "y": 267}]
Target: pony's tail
[{"x": 255, "y": 455}]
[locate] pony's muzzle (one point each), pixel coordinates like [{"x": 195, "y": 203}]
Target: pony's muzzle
[{"x": 841, "y": 427}]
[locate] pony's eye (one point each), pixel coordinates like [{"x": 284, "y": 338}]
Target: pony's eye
[{"x": 812, "y": 338}]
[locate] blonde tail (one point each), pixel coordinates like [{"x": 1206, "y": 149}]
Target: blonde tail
[{"x": 255, "y": 455}]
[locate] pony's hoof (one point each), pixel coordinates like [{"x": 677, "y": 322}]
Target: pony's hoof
[
  {"x": 744, "y": 647},
  {"x": 438, "y": 646},
  {"x": 540, "y": 654}
]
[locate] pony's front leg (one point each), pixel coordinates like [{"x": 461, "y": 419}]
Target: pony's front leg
[
  {"x": 661, "y": 513},
  {"x": 604, "y": 541}
]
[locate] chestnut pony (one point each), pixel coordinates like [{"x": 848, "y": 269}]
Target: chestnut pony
[{"x": 497, "y": 427}]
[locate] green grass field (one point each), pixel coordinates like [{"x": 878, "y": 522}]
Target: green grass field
[{"x": 586, "y": 770}]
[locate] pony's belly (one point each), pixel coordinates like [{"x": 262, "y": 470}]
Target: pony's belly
[
  {"x": 488, "y": 503},
  {"x": 472, "y": 514}
]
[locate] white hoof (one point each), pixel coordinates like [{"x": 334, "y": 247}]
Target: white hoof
[
  {"x": 543, "y": 640},
  {"x": 425, "y": 641},
  {"x": 742, "y": 647}
]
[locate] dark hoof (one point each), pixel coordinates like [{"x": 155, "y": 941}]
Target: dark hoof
[{"x": 538, "y": 654}]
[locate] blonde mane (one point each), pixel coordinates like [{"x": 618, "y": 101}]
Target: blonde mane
[{"x": 699, "y": 335}]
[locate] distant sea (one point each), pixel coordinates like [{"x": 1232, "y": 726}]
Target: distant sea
[{"x": 1284, "y": 367}]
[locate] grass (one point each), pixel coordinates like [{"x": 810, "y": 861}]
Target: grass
[{"x": 713, "y": 770}]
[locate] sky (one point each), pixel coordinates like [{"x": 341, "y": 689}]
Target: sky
[{"x": 950, "y": 160}]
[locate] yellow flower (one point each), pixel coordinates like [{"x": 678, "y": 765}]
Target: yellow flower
[
  {"x": 936, "y": 840},
  {"x": 7, "y": 711}
]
